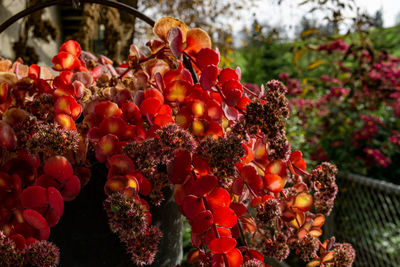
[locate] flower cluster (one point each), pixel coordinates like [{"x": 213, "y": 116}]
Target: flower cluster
[
  {"x": 50, "y": 139},
  {"x": 323, "y": 178},
  {"x": 351, "y": 108},
  {"x": 268, "y": 114},
  {"x": 337, "y": 45},
  {"x": 378, "y": 156},
  {"x": 169, "y": 120},
  {"x": 130, "y": 219},
  {"x": 18, "y": 251},
  {"x": 395, "y": 138}
]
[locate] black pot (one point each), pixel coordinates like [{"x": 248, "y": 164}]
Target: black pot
[{"x": 84, "y": 237}]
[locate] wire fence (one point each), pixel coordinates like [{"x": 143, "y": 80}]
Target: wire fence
[{"x": 367, "y": 215}]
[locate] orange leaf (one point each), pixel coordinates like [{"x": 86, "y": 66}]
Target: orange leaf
[
  {"x": 273, "y": 182},
  {"x": 163, "y": 25},
  {"x": 197, "y": 39}
]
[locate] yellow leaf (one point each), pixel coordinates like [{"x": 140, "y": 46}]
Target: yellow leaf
[
  {"x": 298, "y": 55},
  {"x": 315, "y": 64},
  {"x": 308, "y": 32}
]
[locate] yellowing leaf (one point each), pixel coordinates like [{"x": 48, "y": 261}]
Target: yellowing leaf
[
  {"x": 308, "y": 32},
  {"x": 314, "y": 263},
  {"x": 303, "y": 201},
  {"x": 298, "y": 55},
  {"x": 315, "y": 64}
]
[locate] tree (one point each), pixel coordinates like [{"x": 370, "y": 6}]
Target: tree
[{"x": 377, "y": 20}]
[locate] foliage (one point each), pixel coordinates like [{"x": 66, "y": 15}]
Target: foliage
[
  {"x": 220, "y": 146},
  {"x": 343, "y": 91},
  {"x": 350, "y": 108}
]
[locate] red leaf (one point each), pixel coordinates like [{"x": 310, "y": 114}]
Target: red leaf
[
  {"x": 34, "y": 72},
  {"x": 150, "y": 106},
  {"x": 58, "y": 167},
  {"x": 44, "y": 233},
  {"x": 192, "y": 206},
  {"x": 65, "y": 121},
  {"x": 34, "y": 219},
  {"x": 207, "y": 56},
  {"x": 71, "y": 47},
  {"x": 228, "y": 74},
  {"x": 56, "y": 204},
  {"x": 210, "y": 235},
  {"x": 34, "y": 197},
  {"x": 214, "y": 110},
  {"x": 145, "y": 187},
  {"x": 224, "y": 217},
  {"x": 176, "y": 74},
  {"x": 214, "y": 130},
  {"x": 200, "y": 165},
  {"x": 153, "y": 92},
  {"x": 235, "y": 258},
  {"x": 115, "y": 184},
  {"x": 181, "y": 167},
  {"x": 232, "y": 97},
  {"x": 19, "y": 241},
  {"x": 319, "y": 220},
  {"x": 237, "y": 186},
  {"x": 5, "y": 182},
  {"x": 277, "y": 167},
  {"x": 131, "y": 113},
  {"x": 208, "y": 77},
  {"x": 113, "y": 125},
  {"x": 204, "y": 185},
  {"x": 296, "y": 157},
  {"x": 219, "y": 197},
  {"x": 239, "y": 208},
  {"x": 222, "y": 245},
  {"x": 68, "y": 105},
  {"x": 202, "y": 221},
  {"x": 8, "y": 139},
  {"x": 251, "y": 178},
  {"x": 65, "y": 61},
  {"x": 273, "y": 182},
  {"x": 3, "y": 92},
  {"x": 71, "y": 189},
  {"x": 106, "y": 146},
  {"x": 163, "y": 120},
  {"x": 63, "y": 79},
  {"x": 243, "y": 102},
  {"x": 107, "y": 109},
  {"x": 177, "y": 90},
  {"x": 120, "y": 164},
  {"x": 196, "y": 238}
]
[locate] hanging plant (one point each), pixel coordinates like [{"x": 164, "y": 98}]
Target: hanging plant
[{"x": 218, "y": 145}]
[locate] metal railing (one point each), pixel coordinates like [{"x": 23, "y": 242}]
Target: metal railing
[{"x": 367, "y": 215}]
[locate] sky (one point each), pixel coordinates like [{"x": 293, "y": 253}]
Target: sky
[{"x": 289, "y": 13}]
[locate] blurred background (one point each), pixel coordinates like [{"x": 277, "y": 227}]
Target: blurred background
[{"x": 339, "y": 59}]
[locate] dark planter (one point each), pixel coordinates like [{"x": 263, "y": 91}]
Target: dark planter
[{"x": 84, "y": 237}]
